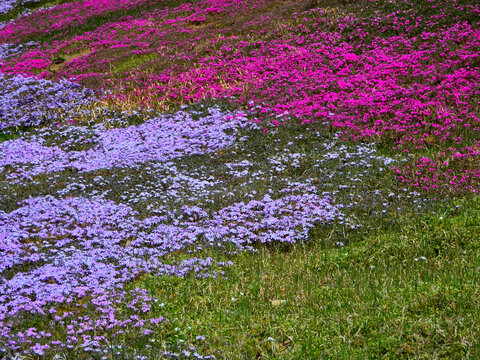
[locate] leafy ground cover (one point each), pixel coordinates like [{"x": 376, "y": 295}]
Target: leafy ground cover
[{"x": 239, "y": 180}]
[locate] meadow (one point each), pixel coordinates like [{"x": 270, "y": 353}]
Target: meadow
[{"x": 221, "y": 179}]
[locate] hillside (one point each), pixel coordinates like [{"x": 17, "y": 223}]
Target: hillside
[{"x": 224, "y": 179}]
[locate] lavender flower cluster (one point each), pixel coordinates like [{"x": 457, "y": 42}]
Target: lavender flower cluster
[
  {"x": 55, "y": 251},
  {"x": 89, "y": 333},
  {"x": 28, "y": 101},
  {"x": 7, "y": 5},
  {"x": 10, "y": 49},
  {"x": 159, "y": 139}
]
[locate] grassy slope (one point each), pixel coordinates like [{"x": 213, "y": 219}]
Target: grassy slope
[
  {"x": 373, "y": 299},
  {"x": 404, "y": 287}
]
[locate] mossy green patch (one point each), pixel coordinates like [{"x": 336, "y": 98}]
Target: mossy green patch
[{"x": 131, "y": 62}]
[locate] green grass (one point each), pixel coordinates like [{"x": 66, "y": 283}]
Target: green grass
[
  {"x": 133, "y": 62},
  {"x": 375, "y": 299},
  {"x": 7, "y": 136}
]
